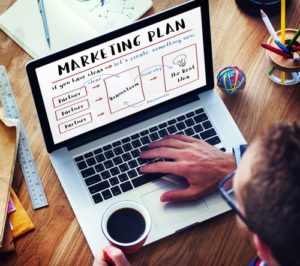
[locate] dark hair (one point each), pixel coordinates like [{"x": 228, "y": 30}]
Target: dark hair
[{"x": 272, "y": 196}]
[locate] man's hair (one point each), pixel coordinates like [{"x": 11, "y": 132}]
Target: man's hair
[{"x": 272, "y": 196}]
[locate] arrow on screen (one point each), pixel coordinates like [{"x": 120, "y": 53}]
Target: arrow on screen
[
  {"x": 154, "y": 78},
  {"x": 108, "y": 67},
  {"x": 99, "y": 99},
  {"x": 101, "y": 114}
]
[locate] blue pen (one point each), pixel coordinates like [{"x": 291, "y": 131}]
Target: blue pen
[
  {"x": 44, "y": 19},
  {"x": 282, "y": 47}
]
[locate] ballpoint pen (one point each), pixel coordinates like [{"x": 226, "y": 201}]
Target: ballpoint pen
[{"x": 44, "y": 19}]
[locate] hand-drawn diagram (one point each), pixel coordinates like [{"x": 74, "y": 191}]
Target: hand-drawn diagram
[
  {"x": 184, "y": 70},
  {"x": 124, "y": 89}
]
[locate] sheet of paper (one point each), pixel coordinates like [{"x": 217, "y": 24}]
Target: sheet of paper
[
  {"x": 23, "y": 23},
  {"x": 106, "y": 15}
]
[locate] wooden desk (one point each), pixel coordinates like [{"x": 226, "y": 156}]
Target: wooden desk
[{"x": 58, "y": 240}]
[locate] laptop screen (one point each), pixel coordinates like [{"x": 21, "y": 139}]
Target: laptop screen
[{"x": 122, "y": 75}]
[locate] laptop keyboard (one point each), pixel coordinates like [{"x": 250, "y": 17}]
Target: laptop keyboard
[{"x": 113, "y": 169}]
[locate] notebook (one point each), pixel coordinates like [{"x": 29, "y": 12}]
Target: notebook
[
  {"x": 102, "y": 101},
  {"x": 69, "y": 21}
]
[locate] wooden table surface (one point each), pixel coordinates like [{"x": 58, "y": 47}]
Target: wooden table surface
[{"x": 58, "y": 240}]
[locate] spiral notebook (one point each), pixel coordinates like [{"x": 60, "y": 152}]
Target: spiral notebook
[{"x": 69, "y": 21}]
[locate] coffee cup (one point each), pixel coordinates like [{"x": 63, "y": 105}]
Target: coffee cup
[{"x": 126, "y": 225}]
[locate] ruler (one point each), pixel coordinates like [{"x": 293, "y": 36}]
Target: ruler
[{"x": 32, "y": 178}]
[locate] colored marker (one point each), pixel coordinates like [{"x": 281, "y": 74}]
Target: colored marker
[
  {"x": 294, "y": 39},
  {"x": 295, "y": 48},
  {"x": 282, "y": 47},
  {"x": 276, "y": 51},
  {"x": 269, "y": 25}
]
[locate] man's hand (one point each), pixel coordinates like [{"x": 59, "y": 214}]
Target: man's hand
[
  {"x": 201, "y": 164},
  {"x": 113, "y": 257}
]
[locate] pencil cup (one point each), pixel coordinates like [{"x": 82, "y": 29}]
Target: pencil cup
[{"x": 277, "y": 64}]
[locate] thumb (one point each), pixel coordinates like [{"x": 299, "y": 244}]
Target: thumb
[
  {"x": 178, "y": 195},
  {"x": 117, "y": 256}
]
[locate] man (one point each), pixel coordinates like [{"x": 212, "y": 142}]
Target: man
[{"x": 266, "y": 188}]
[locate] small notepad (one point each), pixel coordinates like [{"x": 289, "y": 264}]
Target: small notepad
[{"x": 69, "y": 21}]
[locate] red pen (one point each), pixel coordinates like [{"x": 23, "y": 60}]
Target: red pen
[{"x": 276, "y": 51}]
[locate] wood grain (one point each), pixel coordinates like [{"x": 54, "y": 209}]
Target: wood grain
[{"x": 57, "y": 239}]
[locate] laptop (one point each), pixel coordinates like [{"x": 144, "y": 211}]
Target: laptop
[{"x": 102, "y": 101}]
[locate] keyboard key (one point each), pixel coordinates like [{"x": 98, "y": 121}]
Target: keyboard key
[
  {"x": 81, "y": 165},
  {"x": 91, "y": 161},
  {"x": 162, "y": 133},
  {"x": 114, "y": 181},
  {"x": 79, "y": 158},
  {"x": 116, "y": 143},
  {"x": 171, "y": 129},
  {"x": 136, "y": 143},
  {"x": 97, "y": 198},
  {"x": 108, "y": 164},
  {"x": 197, "y": 136},
  {"x": 190, "y": 114},
  {"x": 199, "y": 111},
  {"x": 126, "y": 156},
  {"x": 127, "y": 147},
  {"x": 162, "y": 125},
  {"x": 115, "y": 191},
  {"x": 153, "y": 129},
  {"x": 118, "y": 150},
  {"x": 132, "y": 173},
  {"x": 180, "y": 126},
  {"x": 88, "y": 172},
  {"x": 135, "y": 136},
  {"x": 92, "y": 180},
  {"x": 213, "y": 141},
  {"x": 181, "y": 118},
  {"x": 109, "y": 154},
  {"x": 154, "y": 136},
  {"x": 106, "y": 194},
  {"x": 99, "y": 187},
  {"x": 135, "y": 153},
  {"x": 142, "y": 161},
  {"x": 189, "y": 132},
  {"x": 133, "y": 163},
  {"x": 200, "y": 118},
  {"x": 100, "y": 158},
  {"x": 145, "y": 140},
  {"x": 107, "y": 147},
  {"x": 88, "y": 154},
  {"x": 223, "y": 149},
  {"x": 125, "y": 140},
  {"x": 208, "y": 133},
  {"x": 123, "y": 177},
  {"x": 126, "y": 186},
  {"x": 105, "y": 174},
  {"x": 117, "y": 160},
  {"x": 144, "y": 148},
  {"x": 114, "y": 171},
  {"x": 189, "y": 122},
  {"x": 198, "y": 128},
  {"x": 99, "y": 150},
  {"x": 207, "y": 124},
  {"x": 144, "y": 132},
  {"x": 123, "y": 167},
  {"x": 144, "y": 179},
  {"x": 99, "y": 167},
  {"x": 172, "y": 122}
]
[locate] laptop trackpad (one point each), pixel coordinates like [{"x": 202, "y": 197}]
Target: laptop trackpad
[{"x": 166, "y": 214}]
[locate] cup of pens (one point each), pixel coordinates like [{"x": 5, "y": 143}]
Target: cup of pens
[{"x": 283, "y": 59}]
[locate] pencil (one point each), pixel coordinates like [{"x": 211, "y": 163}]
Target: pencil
[
  {"x": 294, "y": 39},
  {"x": 276, "y": 51},
  {"x": 282, "y": 33}
]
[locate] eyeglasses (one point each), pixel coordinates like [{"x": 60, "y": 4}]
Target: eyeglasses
[{"x": 226, "y": 189}]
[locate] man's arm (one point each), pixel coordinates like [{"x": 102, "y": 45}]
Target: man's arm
[{"x": 201, "y": 164}]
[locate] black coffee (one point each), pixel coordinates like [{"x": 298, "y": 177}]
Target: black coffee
[{"x": 126, "y": 225}]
